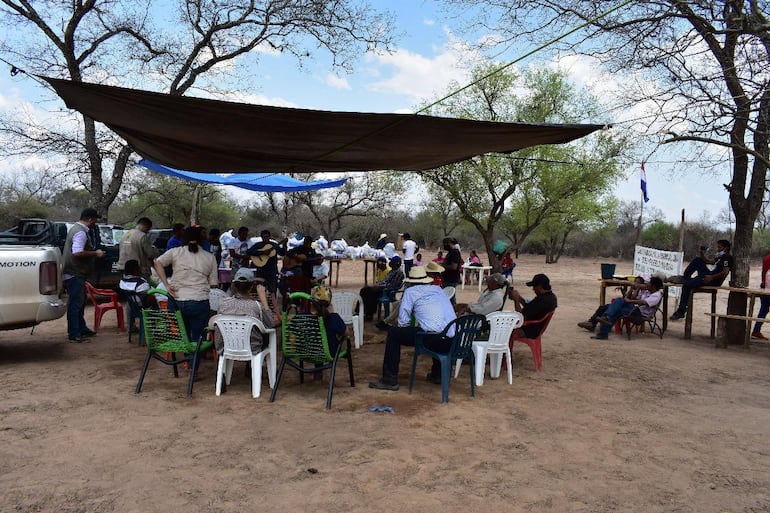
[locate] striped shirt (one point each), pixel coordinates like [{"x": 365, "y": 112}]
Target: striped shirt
[{"x": 430, "y": 306}]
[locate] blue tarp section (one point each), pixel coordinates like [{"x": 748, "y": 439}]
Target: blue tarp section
[{"x": 262, "y": 182}]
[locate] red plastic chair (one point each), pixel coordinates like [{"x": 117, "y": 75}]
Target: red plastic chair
[
  {"x": 97, "y": 297},
  {"x": 534, "y": 344}
]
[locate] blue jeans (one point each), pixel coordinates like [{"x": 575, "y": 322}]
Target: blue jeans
[
  {"x": 195, "y": 315},
  {"x": 76, "y": 305},
  {"x": 764, "y": 308},
  {"x": 617, "y": 309},
  {"x": 699, "y": 268}
]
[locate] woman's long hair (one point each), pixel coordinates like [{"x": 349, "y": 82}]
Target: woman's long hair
[{"x": 192, "y": 234}]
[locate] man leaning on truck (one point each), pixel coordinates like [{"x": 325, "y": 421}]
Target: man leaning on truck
[
  {"x": 136, "y": 245},
  {"x": 79, "y": 254}
]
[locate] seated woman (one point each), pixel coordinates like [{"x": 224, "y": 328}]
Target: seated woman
[{"x": 241, "y": 303}]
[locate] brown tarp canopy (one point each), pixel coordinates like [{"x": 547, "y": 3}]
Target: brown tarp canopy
[{"x": 196, "y": 134}]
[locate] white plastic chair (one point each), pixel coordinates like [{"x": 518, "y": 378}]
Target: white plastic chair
[
  {"x": 450, "y": 292},
  {"x": 501, "y": 325},
  {"x": 236, "y": 335},
  {"x": 344, "y": 304}
]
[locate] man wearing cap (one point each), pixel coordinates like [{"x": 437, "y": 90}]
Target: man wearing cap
[
  {"x": 240, "y": 303},
  {"x": 390, "y": 285},
  {"x": 432, "y": 311},
  {"x": 491, "y": 300},
  {"x": 536, "y": 308},
  {"x": 79, "y": 254},
  {"x": 381, "y": 241}
]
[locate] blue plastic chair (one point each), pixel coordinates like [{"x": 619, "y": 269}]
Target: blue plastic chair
[
  {"x": 383, "y": 302},
  {"x": 461, "y": 348}
]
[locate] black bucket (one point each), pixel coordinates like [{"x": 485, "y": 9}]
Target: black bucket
[{"x": 608, "y": 270}]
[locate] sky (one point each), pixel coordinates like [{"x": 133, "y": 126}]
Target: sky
[{"x": 428, "y": 54}]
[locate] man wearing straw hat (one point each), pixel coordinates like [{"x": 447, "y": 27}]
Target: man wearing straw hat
[{"x": 432, "y": 311}]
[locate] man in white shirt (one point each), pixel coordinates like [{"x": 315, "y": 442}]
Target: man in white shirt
[
  {"x": 410, "y": 249},
  {"x": 239, "y": 248},
  {"x": 491, "y": 300},
  {"x": 432, "y": 311}
]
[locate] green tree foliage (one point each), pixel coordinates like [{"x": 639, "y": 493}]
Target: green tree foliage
[
  {"x": 133, "y": 43},
  {"x": 701, "y": 67},
  {"x": 537, "y": 183}
]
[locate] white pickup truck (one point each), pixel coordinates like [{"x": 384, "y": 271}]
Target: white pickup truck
[{"x": 30, "y": 275}]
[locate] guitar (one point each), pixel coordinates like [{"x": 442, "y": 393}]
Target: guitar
[{"x": 268, "y": 251}]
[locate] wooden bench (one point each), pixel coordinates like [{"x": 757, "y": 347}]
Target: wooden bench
[{"x": 748, "y": 319}]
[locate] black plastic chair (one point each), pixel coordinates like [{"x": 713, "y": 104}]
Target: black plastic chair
[
  {"x": 466, "y": 328},
  {"x": 304, "y": 341},
  {"x": 134, "y": 302}
]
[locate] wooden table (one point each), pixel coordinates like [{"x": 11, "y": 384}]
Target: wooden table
[
  {"x": 368, "y": 261},
  {"x": 624, "y": 284},
  {"x": 748, "y": 318},
  {"x": 481, "y": 269},
  {"x": 332, "y": 262}
]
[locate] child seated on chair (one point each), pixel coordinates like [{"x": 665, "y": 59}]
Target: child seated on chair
[
  {"x": 321, "y": 305},
  {"x": 133, "y": 282},
  {"x": 240, "y": 303}
]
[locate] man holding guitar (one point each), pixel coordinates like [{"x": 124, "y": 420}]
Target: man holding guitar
[{"x": 264, "y": 256}]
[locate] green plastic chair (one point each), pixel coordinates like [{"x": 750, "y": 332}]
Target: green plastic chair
[
  {"x": 165, "y": 334},
  {"x": 466, "y": 328},
  {"x": 304, "y": 341}
]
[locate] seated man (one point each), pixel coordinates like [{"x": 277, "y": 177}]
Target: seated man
[
  {"x": 491, "y": 300},
  {"x": 723, "y": 264},
  {"x": 433, "y": 270},
  {"x": 631, "y": 293},
  {"x": 392, "y": 282},
  {"x": 432, "y": 311},
  {"x": 647, "y": 301},
  {"x": 536, "y": 308}
]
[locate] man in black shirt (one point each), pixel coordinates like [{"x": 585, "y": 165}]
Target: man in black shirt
[
  {"x": 537, "y": 308},
  {"x": 452, "y": 263},
  {"x": 723, "y": 264},
  {"x": 265, "y": 253}
]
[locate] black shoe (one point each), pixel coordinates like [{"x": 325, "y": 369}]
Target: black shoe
[
  {"x": 600, "y": 336},
  {"x": 676, "y": 280},
  {"x": 380, "y": 385},
  {"x": 436, "y": 380},
  {"x": 676, "y": 316},
  {"x": 75, "y": 338},
  {"x": 382, "y": 325},
  {"x": 587, "y": 325},
  {"x": 89, "y": 333}
]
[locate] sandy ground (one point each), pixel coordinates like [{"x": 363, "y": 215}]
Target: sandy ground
[{"x": 646, "y": 425}]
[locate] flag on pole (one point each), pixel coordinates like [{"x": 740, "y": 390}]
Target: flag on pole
[{"x": 644, "y": 184}]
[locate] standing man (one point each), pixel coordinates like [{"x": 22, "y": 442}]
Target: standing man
[
  {"x": 264, "y": 255},
  {"x": 381, "y": 241},
  {"x": 136, "y": 245},
  {"x": 432, "y": 312},
  {"x": 536, "y": 308},
  {"x": 177, "y": 234},
  {"x": 764, "y": 301},
  {"x": 452, "y": 262},
  {"x": 239, "y": 249},
  {"x": 79, "y": 254},
  {"x": 697, "y": 273},
  {"x": 410, "y": 249}
]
